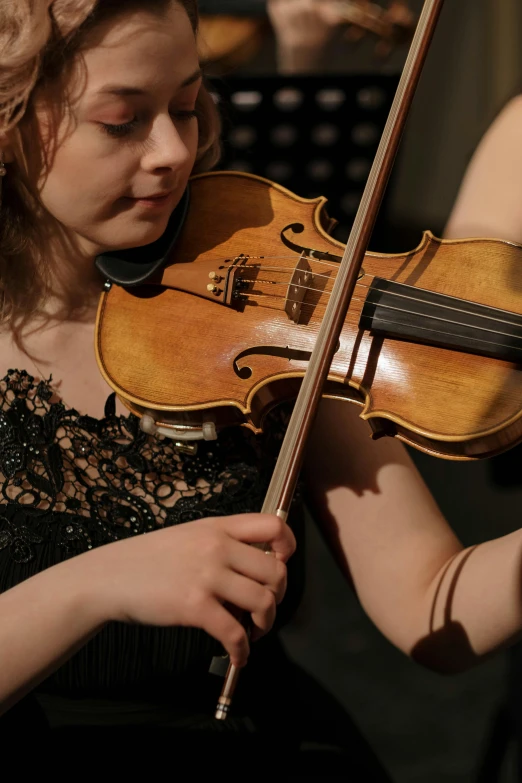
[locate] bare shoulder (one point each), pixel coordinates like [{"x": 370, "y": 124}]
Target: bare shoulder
[{"x": 489, "y": 202}]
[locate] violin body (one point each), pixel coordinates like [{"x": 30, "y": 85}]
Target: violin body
[{"x": 222, "y": 335}]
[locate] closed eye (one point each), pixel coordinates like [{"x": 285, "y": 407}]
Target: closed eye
[
  {"x": 125, "y": 128},
  {"x": 120, "y": 130}
]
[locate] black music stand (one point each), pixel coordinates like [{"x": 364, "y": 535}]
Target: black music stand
[{"x": 316, "y": 135}]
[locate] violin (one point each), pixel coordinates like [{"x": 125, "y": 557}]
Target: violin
[
  {"x": 430, "y": 349},
  {"x": 231, "y": 32},
  {"x": 392, "y": 26}
]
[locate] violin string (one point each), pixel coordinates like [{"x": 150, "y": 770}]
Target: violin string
[
  {"x": 285, "y": 269},
  {"x": 326, "y": 292},
  {"x": 404, "y": 310},
  {"x": 463, "y": 310},
  {"x": 390, "y": 293},
  {"x": 450, "y": 322},
  {"x": 333, "y": 264},
  {"x": 445, "y": 306},
  {"x": 329, "y": 278},
  {"x": 296, "y": 285},
  {"x": 288, "y": 299},
  {"x": 422, "y": 328},
  {"x": 450, "y": 334}
]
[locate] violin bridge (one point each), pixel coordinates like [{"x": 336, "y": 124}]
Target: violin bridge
[{"x": 301, "y": 281}]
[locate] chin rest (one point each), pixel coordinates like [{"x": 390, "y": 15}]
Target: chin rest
[{"x": 135, "y": 265}]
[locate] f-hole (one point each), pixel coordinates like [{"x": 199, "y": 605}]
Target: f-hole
[{"x": 270, "y": 350}]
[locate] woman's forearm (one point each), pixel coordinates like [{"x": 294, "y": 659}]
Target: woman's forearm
[{"x": 43, "y": 621}]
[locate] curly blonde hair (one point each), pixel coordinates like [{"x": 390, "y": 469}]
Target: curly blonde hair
[{"x": 39, "y": 40}]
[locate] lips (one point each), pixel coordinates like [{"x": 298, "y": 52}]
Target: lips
[{"x": 153, "y": 197}]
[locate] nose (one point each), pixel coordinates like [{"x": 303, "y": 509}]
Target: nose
[{"x": 167, "y": 147}]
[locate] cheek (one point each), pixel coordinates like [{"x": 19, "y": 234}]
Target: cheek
[
  {"x": 78, "y": 183},
  {"x": 83, "y": 184},
  {"x": 56, "y": 190}
]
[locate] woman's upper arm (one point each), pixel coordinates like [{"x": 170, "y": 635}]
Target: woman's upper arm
[
  {"x": 489, "y": 203},
  {"x": 379, "y": 517}
]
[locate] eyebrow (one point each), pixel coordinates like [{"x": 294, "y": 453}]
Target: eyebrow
[{"x": 117, "y": 89}]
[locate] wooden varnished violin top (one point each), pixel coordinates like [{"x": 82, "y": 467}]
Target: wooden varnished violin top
[{"x": 431, "y": 348}]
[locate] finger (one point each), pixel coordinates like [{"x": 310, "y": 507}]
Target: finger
[
  {"x": 259, "y": 529},
  {"x": 283, "y": 542},
  {"x": 220, "y": 624},
  {"x": 254, "y": 564},
  {"x": 255, "y": 599},
  {"x": 263, "y": 621},
  {"x": 246, "y": 594}
]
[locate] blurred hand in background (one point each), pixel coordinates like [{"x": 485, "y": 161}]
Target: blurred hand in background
[{"x": 303, "y": 29}]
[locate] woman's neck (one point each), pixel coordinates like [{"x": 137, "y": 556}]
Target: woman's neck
[{"x": 72, "y": 282}]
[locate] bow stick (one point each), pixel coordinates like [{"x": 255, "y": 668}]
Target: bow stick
[{"x": 284, "y": 479}]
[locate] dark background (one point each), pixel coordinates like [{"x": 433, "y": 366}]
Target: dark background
[{"x": 424, "y": 727}]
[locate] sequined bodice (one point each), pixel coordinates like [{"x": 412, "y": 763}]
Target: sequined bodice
[{"x": 71, "y": 482}]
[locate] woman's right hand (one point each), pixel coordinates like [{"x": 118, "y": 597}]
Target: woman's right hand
[{"x": 187, "y": 575}]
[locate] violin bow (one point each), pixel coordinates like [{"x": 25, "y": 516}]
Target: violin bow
[
  {"x": 286, "y": 472},
  {"x": 366, "y": 16}
]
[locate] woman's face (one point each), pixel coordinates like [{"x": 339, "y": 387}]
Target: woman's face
[{"x": 120, "y": 159}]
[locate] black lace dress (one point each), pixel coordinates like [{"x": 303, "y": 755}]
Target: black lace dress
[{"x": 70, "y": 482}]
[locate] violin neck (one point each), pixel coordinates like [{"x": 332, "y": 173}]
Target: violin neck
[{"x": 398, "y": 310}]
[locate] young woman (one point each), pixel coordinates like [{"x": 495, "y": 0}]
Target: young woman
[{"x": 106, "y": 634}]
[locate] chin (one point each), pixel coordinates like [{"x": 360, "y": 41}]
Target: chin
[
  {"x": 144, "y": 235},
  {"x": 154, "y": 233}
]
